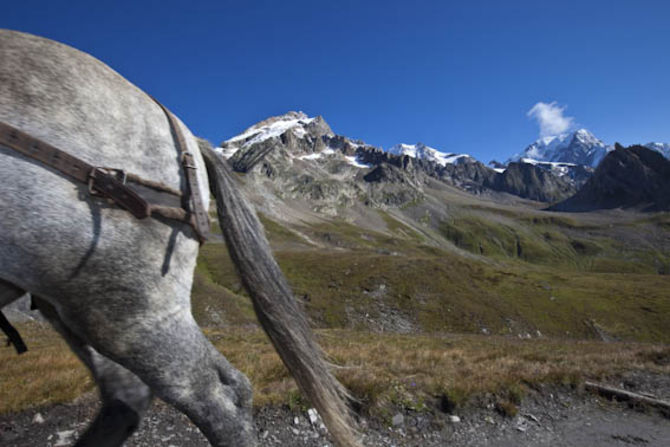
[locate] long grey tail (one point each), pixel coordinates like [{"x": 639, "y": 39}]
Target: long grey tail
[{"x": 275, "y": 306}]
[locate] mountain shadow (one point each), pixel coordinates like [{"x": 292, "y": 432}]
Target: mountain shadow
[{"x": 633, "y": 178}]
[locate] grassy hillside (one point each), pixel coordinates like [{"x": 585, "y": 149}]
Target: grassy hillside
[
  {"x": 498, "y": 273},
  {"x": 486, "y": 303}
]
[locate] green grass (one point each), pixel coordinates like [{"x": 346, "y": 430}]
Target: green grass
[
  {"x": 279, "y": 233},
  {"x": 400, "y": 229},
  {"x": 557, "y": 242},
  {"x": 368, "y": 276}
]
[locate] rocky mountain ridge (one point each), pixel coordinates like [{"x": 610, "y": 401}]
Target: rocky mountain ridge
[
  {"x": 662, "y": 148},
  {"x": 305, "y": 158},
  {"x": 293, "y": 156},
  {"x": 634, "y": 177}
]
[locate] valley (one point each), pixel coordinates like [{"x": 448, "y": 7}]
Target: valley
[{"x": 436, "y": 293}]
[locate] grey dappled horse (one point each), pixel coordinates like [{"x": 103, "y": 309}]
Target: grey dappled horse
[{"x": 118, "y": 288}]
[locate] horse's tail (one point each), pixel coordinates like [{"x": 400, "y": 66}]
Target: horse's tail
[{"x": 273, "y": 301}]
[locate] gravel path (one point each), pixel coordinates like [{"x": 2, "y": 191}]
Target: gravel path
[{"x": 548, "y": 417}]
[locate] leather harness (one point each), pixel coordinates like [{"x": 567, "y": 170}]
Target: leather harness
[{"x": 113, "y": 184}]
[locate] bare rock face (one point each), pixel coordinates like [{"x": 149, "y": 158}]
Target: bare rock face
[
  {"x": 300, "y": 158},
  {"x": 633, "y": 177},
  {"x": 388, "y": 185},
  {"x": 386, "y": 173},
  {"x": 533, "y": 182},
  {"x": 472, "y": 176}
]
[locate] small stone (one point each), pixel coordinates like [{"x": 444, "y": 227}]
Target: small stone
[
  {"x": 489, "y": 419},
  {"x": 531, "y": 417},
  {"x": 313, "y": 416},
  {"x": 296, "y": 420},
  {"x": 521, "y": 424},
  {"x": 38, "y": 418},
  {"x": 398, "y": 419},
  {"x": 454, "y": 419},
  {"x": 64, "y": 438}
]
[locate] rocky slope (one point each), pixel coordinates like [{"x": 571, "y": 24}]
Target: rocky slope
[
  {"x": 296, "y": 157},
  {"x": 633, "y": 177},
  {"x": 574, "y": 174},
  {"x": 533, "y": 182},
  {"x": 663, "y": 148}
]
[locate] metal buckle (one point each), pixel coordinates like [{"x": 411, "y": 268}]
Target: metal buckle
[
  {"x": 119, "y": 174},
  {"x": 187, "y": 160}
]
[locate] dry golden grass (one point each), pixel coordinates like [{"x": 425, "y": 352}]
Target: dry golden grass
[
  {"x": 380, "y": 370},
  {"x": 47, "y": 374},
  {"x": 409, "y": 370}
]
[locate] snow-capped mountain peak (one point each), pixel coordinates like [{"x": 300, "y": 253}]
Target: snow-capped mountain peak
[
  {"x": 578, "y": 147},
  {"x": 297, "y": 124},
  {"x": 272, "y": 127},
  {"x": 423, "y": 152},
  {"x": 586, "y": 137}
]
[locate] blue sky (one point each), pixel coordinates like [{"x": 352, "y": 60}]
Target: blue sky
[{"x": 458, "y": 76}]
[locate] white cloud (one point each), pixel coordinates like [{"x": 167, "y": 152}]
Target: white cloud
[{"x": 550, "y": 118}]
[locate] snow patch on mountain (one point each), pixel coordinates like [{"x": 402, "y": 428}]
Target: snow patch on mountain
[
  {"x": 316, "y": 155},
  {"x": 421, "y": 151},
  {"x": 226, "y": 152},
  {"x": 559, "y": 168},
  {"x": 353, "y": 161},
  {"x": 273, "y": 127},
  {"x": 350, "y": 159}
]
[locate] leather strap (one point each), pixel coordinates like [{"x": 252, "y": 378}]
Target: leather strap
[
  {"x": 111, "y": 183},
  {"x": 99, "y": 180},
  {"x": 192, "y": 200},
  {"x": 44, "y": 152},
  {"x": 106, "y": 184}
]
